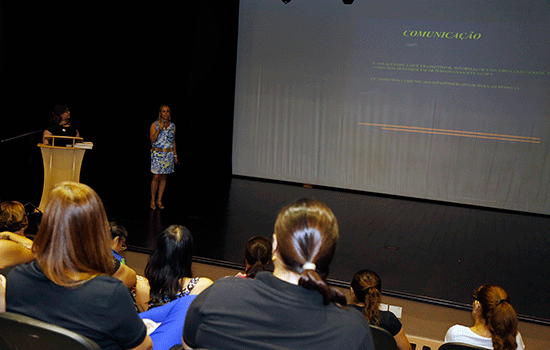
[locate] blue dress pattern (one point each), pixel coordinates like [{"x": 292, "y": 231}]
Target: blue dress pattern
[{"x": 163, "y": 162}]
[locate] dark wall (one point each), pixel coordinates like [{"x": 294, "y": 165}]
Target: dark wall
[{"x": 114, "y": 65}]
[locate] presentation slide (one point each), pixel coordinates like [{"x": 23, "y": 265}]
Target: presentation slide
[{"x": 440, "y": 100}]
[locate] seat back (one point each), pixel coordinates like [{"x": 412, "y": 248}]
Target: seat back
[
  {"x": 383, "y": 340},
  {"x": 21, "y": 332},
  {"x": 459, "y": 346}
]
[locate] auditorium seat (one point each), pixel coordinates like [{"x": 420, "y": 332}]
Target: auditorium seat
[
  {"x": 23, "y": 332},
  {"x": 383, "y": 340},
  {"x": 459, "y": 346}
]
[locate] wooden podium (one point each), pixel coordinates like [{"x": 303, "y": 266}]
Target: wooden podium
[{"x": 61, "y": 163}]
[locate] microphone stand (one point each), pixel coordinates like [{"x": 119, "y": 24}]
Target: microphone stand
[{"x": 29, "y": 133}]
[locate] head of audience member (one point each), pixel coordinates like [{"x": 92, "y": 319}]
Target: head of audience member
[
  {"x": 60, "y": 114},
  {"x": 257, "y": 255},
  {"x": 13, "y": 217},
  {"x": 73, "y": 242},
  {"x": 366, "y": 286},
  {"x": 304, "y": 242},
  {"x": 169, "y": 263},
  {"x": 118, "y": 235},
  {"x": 492, "y": 308}
]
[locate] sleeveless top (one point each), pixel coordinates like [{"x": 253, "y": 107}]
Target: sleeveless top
[{"x": 192, "y": 283}]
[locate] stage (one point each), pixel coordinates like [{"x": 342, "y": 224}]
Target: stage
[{"x": 425, "y": 251}]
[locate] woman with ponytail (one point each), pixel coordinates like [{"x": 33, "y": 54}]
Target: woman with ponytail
[
  {"x": 366, "y": 287},
  {"x": 292, "y": 308},
  {"x": 257, "y": 256},
  {"x": 496, "y": 322}
]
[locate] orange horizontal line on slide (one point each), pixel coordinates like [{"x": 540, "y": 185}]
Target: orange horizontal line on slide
[{"x": 456, "y": 133}]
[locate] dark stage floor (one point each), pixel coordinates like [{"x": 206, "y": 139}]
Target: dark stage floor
[{"x": 432, "y": 252}]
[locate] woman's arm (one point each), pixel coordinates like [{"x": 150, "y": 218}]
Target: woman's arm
[
  {"x": 44, "y": 139},
  {"x": 175, "y": 152},
  {"x": 402, "y": 341},
  {"x": 201, "y": 285},
  {"x": 12, "y": 252},
  {"x": 142, "y": 293},
  {"x": 2, "y": 293},
  {"x": 154, "y": 132},
  {"x": 10, "y": 236},
  {"x": 147, "y": 344},
  {"x": 126, "y": 275}
]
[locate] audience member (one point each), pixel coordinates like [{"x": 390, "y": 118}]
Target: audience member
[
  {"x": 366, "y": 287},
  {"x": 119, "y": 234},
  {"x": 69, "y": 284},
  {"x": 168, "y": 272},
  {"x": 15, "y": 248},
  {"x": 496, "y": 322},
  {"x": 13, "y": 217},
  {"x": 292, "y": 308},
  {"x": 257, "y": 256},
  {"x": 118, "y": 244},
  {"x": 170, "y": 288}
]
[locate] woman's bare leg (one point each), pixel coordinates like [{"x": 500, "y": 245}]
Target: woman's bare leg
[
  {"x": 161, "y": 187},
  {"x": 154, "y": 188}
]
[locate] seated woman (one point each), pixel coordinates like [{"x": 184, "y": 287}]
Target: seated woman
[
  {"x": 118, "y": 244},
  {"x": 496, "y": 322},
  {"x": 69, "y": 284},
  {"x": 366, "y": 287},
  {"x": 119, "y": 234},
  {"x": 15, "y": 248},
  {"x": 257, "y": 256},
  {"x": 168, "y": 271},
  {"x": 169, "y": 287},
  {"x": 13, "y": 217},
  {"x": 293, "y": 308}
]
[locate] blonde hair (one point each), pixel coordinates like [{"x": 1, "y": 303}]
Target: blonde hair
[
  {"x": 160, "y": 111},
  {"x": 73, "y": 241}
]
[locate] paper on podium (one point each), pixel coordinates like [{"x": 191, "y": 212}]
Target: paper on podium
[{"x": 85, "y": 145}]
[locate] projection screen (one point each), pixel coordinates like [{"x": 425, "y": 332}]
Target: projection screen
[{"x": 440, "y": 100}]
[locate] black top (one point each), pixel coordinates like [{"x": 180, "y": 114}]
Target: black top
[
  {"x": 100, "y": 309},
  {"x": 388, "y": 320},
  {"x": 269, "y": 313},
  {"x": 60, "y": 130}
]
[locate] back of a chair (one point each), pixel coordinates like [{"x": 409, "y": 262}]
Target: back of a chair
[
  {"x": 459, "y": 346},
  {"x": 383, "y": 340},
  {"x": 19, "y": 332}
]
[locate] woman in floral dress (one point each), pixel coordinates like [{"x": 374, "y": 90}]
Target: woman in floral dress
[{"x": 163, "y": 154}]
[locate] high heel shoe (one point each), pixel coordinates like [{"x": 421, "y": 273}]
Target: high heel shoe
[
  {"x": 159, "y": 205},
  {"x": 153, "y": 205}
]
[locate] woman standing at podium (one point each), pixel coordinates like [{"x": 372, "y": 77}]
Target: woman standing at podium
[
  {"x": 60, "y": 124},
  {"x": 163, "y": 154}
]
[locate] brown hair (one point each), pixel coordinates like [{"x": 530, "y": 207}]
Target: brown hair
[
  {"x": 12, "y": 216},
  {"x": 56, "y": 113},
  {"x": 257, "y": 253},
  {"x": 499, "y": 316},
  {"x": 367, "y": 287},
  {"x": 307, "y": 232},
  {"x": 73, "y": 241}
]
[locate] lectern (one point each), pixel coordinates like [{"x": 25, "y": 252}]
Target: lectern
[{"x": 62, "y": 162}]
